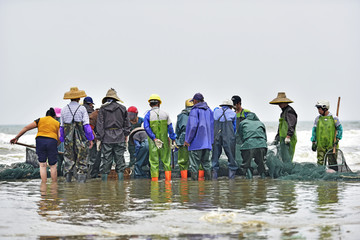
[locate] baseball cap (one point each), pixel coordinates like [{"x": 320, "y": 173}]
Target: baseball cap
[{"x": 197, "y": 96}]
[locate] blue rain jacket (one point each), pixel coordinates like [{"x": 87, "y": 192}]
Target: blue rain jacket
[{"x": 200, "y": 127}]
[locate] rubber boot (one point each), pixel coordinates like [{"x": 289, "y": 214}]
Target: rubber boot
[
  {"x": 232, "y": 174},
  {"x": 155, "y": 179},
  {"x": 184, "y": 174},
  {"x": 167, "y": 175},
  {"x": 194, "y": 176},
  {"x": 214, "y": 174},
  {"x": 249, "y": 174},
  {"x": 121, "y": 176},
  {"x": 68, "y": 177},
  {"x": 81, "y": 178},
  {"x": 104, "y": 177},
  {"x": 201, "y": 174},
  {"x": 262, "y": 176},
  {"x": 208, "y": 175}
]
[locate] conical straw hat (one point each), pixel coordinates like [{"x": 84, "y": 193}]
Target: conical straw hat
[
  {"x": 74, "y": 93},
  {"x": 111, "y": 93},
  {"x": 281, "y": 98}
]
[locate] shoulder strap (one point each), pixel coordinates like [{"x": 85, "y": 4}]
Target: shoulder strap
[
  {"x": 73, "y": 115},
  {"x": 223, "y": 114}
]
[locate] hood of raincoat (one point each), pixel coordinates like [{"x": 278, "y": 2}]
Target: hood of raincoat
[
  {"x": 252, "y": 116},
  {"x": 201, "y": 105},
  {"x": 111, "y": 106},
  {"x": 181, "y": 122},
  {"x": 251, "y": 133},
  {"x": 113, "y": 123}
]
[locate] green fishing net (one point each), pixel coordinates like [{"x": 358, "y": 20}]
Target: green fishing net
[
  {"x": 19, "y": 171},
  {"x": 286, "y": 170},
  {"x": 278, "y": 167}
]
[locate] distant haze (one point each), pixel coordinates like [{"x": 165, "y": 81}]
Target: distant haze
[{"x": 309, "y": 49}]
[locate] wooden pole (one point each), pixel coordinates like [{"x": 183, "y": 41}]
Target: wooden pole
[
  {"x": 338, "y": 106},
  {"x": 25, "y": 145},
  {"x": 337, "y": 114},
  {"x": 31, "y": 146}
]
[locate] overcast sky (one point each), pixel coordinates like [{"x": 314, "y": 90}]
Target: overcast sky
[{"x": 308, "y": 48}]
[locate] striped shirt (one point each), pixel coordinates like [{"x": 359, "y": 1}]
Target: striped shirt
[{"x": 81, "y": 114}]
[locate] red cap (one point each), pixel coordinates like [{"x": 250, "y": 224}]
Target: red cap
[{"x": 132, "y": 109}]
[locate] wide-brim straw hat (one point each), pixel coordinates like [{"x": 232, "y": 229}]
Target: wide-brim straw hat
[
  {"x": 111, "y": 93},
  {"x": 281, "y": 98},
  {"x": 132, "y": 133},
  {"x": 74, "y": 93}
]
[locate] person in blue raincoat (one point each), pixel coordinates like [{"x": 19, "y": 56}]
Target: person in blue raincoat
[
  {"x": 224, "y": 137},
  {"x": 199, "y": 137}
]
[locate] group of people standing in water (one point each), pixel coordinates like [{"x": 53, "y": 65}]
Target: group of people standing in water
[{"x": 94, "y": 139}]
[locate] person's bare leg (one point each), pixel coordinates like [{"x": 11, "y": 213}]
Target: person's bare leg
[
  {"x": 53, "y": 172},
  {"x": 43, "y": 173}
]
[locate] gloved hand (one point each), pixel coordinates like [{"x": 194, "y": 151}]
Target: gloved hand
[
  {"x": 275, "y": 142},
  {"x": 158, "y": 143},
  {"x": 98, "y": 145},
  {"x": 314, "y": 146},
  {"x": 287, "y": 140},
  {"x": 173, "y": 145},
  {"x": 336, "y": 142}
]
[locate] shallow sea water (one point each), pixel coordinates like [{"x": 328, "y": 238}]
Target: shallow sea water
[{"x": 141, "y": 209}]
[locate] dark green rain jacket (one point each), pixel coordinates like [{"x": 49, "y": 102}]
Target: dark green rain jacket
[{"x": 251, "y": 133}]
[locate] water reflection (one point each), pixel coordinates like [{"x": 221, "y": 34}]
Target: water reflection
[
  {"x": 286, "y": 197},
  {"x": 327, "y": 194},
  {"x": 49, "y": 202},
  {"x": 139, "y": 203},
  {"x": 327, "y": 199}
]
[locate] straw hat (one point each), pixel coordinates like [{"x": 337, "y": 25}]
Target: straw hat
[
  {"x": 111, "y": 93},
  {"x": 281, "y": 98},
  {"x": 227, "y": 102},
  {"x": 135, "y": 130},
  {"x": 74, "y": 93}
]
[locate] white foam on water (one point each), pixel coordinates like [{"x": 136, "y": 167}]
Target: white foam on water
[{"x": 12, "y": 153}]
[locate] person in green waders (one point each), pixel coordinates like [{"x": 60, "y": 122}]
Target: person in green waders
[
  {"x": 326, "y": 127},
  {"x": 159, "y": 128},
  {"x": 180, "y": 130},
  {"x": 241, "y": 114},
  {"x": 286, "y": 135}
]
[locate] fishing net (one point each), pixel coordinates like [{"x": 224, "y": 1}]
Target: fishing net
[
  {"x": 287, "y": 170},
  {"x": 278, "y": 164},
  {"x": 19, "y": 171},
  {"x": 336, "y": 161},
  {"x": 24, "y": 170}
]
